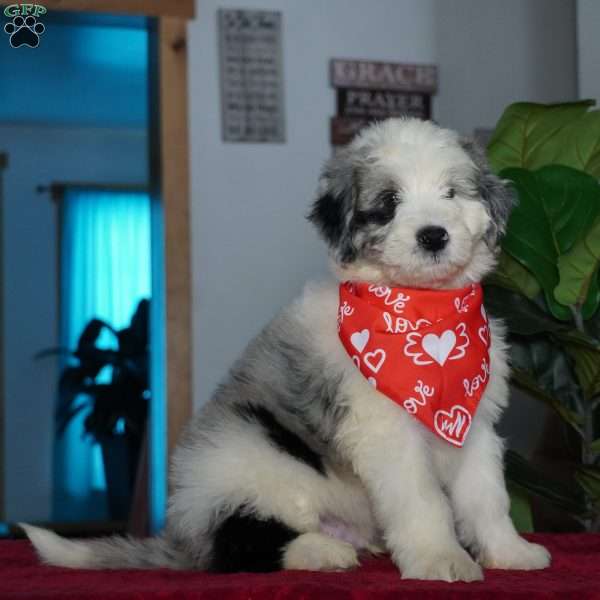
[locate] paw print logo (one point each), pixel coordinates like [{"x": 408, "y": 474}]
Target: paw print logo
[{"x": 24, "y": 31}]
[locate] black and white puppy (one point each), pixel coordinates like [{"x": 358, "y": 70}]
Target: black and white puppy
[{"x": 297, "y": 462}]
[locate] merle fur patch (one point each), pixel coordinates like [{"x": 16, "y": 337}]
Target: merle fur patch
[
  {"x": 281, "y": 437},
  {"x": 245, "y": 543},
  {"x": 497, "y": 194}
]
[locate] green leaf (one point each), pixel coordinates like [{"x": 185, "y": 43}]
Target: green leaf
[
  {"x": 590, "y": 306},
  {"x": 578, "y": 273},
  {"x": 587, "y": 368},
  {"x": 520, "y": 510},
  {"x": 595, "y": 445},
  {"x": 512, "y": 274},
  {"x": 523, "y": 317},
  {"x": 579, "y": 144},
  {"x": 528, "y": 135},
  {"x": 556, "y": 206},
  {"x": 520, "y": 473},
  {"x": 527, "y": 383},
  {"x": 589, "y": 479},
  {"x": 592, "y": 325},
  {"x": 540, "y": 346}
]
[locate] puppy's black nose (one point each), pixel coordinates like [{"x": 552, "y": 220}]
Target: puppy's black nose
[{"x": 432, "y": 238}]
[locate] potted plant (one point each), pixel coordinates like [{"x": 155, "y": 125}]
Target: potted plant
[
  {"x": 547, "y": 286},
  {"x": 112, "y": 384}
]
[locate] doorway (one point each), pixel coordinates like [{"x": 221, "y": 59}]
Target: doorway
[{"x": 127, "y": 169}]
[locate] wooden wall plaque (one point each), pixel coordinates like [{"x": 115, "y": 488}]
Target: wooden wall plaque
[
  {"x": 383, "y": 75},
  {"x": 370, "y": 91},
  {"x": 382, "y": 104}
]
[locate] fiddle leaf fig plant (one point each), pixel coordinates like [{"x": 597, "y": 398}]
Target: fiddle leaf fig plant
[
  {"x": 578, "y": 285},
  {"x": 547, "y": 284},
  {"x": 511, "y": 275},
  {"x": 556, "y": 204},
  {"x": 530, "y": 136}
]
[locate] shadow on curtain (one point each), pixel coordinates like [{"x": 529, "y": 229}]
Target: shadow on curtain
[{"x": 105, "y": 271}]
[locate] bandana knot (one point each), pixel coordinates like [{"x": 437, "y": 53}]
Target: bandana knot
[{"x": 426, "y": 350}]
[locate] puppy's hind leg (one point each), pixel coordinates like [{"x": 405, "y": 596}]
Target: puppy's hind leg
[
  {"x": 245, "y": 542},
  {"x": 319, "y": 552}
]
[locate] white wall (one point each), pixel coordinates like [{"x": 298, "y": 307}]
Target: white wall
[
  {"x": 588, "y": 48},
  {"x": 492, "y": 53},
  {"x": 252, "y": 249},
  {"x": 41, "y": 155}
]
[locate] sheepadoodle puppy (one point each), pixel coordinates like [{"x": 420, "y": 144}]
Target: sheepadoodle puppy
[{"x": 330, "y": 437}]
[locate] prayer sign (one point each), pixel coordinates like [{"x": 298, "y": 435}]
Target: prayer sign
[
  {"x": 381, "y": 104},
  {"x": 370, "y": 91}
]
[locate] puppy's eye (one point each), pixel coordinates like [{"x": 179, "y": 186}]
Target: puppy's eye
[
  {"x": 389, "y": 198},
  {"x": 379, "y": 211},
  {"x": 450, "y": 193}
]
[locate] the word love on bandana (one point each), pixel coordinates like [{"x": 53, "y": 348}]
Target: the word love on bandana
[{"x": 427, "y": 350}]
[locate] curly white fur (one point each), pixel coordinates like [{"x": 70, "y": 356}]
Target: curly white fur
[{"x": 296, "y": 437}]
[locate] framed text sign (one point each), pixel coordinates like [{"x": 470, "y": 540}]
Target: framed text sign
[
  {"x": 383, "y": 75},
  {"x": 382, "y": 104},
  {"x": 252, "y": 104},
  {"x": 371, "y": 90}
]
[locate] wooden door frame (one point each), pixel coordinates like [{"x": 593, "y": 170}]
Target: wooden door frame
[
  {"x": 183, "y": 9},
  {"x": 173, "y": 162},
  {"x": 3, "y": 165},
  {"x": 175, "y": 194}
]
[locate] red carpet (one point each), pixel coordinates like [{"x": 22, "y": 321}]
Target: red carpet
[{"x": 575, "y": 573}]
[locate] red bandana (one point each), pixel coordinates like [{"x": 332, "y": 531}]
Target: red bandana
[{"x": 427, "y": 350}]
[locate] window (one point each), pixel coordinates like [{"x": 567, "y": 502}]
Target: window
[{"x": 105, "y": 270}]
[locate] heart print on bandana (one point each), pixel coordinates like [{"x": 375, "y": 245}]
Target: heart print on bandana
[
  {"x": 484, "y": 330},
  {"x": 425, "y": 350},
  {"x": 360, "y": 339},
  {"x": 453, "y": 425},
  {"x": 439, "y": 347},
  {"x": 429, "y": 348},
  {"x": 374, "y": 360}
]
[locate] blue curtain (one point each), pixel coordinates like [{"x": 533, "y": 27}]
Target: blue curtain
[{"x": 105, "y": 270}]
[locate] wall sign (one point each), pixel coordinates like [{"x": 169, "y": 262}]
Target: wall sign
[
  {"x": 372, "y": 91},
  {"x": 381, "y": 104},
  {"x": 251, "y": 76},
  {"x": 383, "y": 75}
]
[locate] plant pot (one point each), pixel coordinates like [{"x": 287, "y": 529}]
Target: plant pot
[{"x": 120, "y": 455}]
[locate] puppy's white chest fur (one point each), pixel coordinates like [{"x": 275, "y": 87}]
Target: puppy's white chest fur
[{"x": 317, "y": 311}]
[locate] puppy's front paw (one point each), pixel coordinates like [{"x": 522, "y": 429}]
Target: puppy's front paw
[
  {"x": 520, "y": 555},
  {"x": 451, "y": 565}
]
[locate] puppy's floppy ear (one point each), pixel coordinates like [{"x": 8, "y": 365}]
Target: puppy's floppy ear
[
  {"x": 497, "y": 194},
  {"x": 332, "y": 211}
]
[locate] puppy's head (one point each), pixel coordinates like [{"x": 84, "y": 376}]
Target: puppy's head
[{"x": 408, "y": 203}]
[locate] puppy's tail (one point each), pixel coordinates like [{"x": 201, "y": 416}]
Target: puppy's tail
[{"x": 110, "y": 553}]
